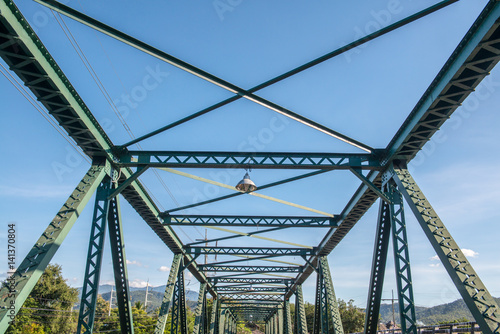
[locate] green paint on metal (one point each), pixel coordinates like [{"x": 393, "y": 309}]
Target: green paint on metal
[
  {"x": 117, "y": 244},
  {"x": 213, "y": 317},
  {"x": 402, "y": 261},
  {"x": 200, "y": 310},
  {"x": 475, "y": 295},
  {"x": 300, "y": 311},
  {"x": 32, "y": 267},
  {"x": 179, "y": 318},
  {"x": 169, "y": 292},
  {"x": 90, "y": 287},
  {"x": 378, "y": 269},
  {"x": 218, "y": 220},
  {"x": 257, "y": 269},
  {"x": 332, "y": 306},
  {"x": 250, "y": 251}
]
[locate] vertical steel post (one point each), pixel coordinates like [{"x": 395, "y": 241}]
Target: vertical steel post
[
  {"x": 280, "y": 321},
  {"x": 179, "y": 319},
  {"x": 300, "y": 311},
  {"x": 332, "y": 308},
  {"x": 94, "y": 258},
  {"x": 287, "y": 323},
  {"x": 222, "y": 321},
  {"x": 483, "y": 307},
  {"x": 213, "y": 316},
  {"x": 378, "y": 268},
  {"x": 32, "y": 267},
  {"x": 167, "y": 297},
  {"x": 200, "y": 310},
  {"x": 402, "y": 261},
  {"x": 120, "y": 267}
]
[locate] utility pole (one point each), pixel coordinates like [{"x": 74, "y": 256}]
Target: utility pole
[
  {"x": 146, "y": 298},
  {"x": 110, "y": 301},
  {"x": 393, "y": 313}
]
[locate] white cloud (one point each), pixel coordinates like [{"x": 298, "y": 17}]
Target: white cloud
[
  {"x": 164, "y": 269},
  {"x": 40, "y": 191},
  {"x": 469, "y": 252},
  {"x": 435, "y": 258},
  {"x": 434, "y": 265},
  {"x": 137, "y": 283},
  {"x": 134, "y": 263}
]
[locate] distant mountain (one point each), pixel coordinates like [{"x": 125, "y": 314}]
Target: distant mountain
[
  {"x": 432, "y": 315},
  {"x": 155, "y": 295}
]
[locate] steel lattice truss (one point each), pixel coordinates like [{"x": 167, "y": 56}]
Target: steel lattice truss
[{"x": 244, "y": 291}]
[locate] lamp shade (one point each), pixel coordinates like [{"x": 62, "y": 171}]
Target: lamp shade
[{"x": 246, "y": 185}]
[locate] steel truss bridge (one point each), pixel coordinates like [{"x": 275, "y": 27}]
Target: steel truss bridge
[{"x": 243, "y": 292}]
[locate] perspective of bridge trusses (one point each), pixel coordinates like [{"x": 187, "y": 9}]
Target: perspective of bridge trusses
[{"x": 251, "y": 271}]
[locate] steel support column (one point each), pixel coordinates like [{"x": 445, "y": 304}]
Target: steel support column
[
  {"x": 300, "y": 312},
  {"x": 167, "y": 297},
  {"x": 475, "y": 295},
  {"x": 280, "y": 321},
  {"x": 378, "y": 268},
  {"x": 179, "y": 317},
  {"x": 401, "y": 261},
  {"x": 214, "y": 317},
  {"x": 31, "y": 268},
  {"x": 326, "y": 310},
  {"x": 94, "y": 258},
  {"x": 222, "y": 321},
  {"x": 287, "y": 318},
  {"x": 120, "y": 267},
  {"x": 200, "y": 312}
]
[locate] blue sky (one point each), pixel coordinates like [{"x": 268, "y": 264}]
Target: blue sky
[{"x": 365, "y": 94}]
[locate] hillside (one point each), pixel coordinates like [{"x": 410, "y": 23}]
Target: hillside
[{"x": 433, "y": 315}]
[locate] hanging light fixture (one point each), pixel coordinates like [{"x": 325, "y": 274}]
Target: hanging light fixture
[{"x": 246, "y": 185}]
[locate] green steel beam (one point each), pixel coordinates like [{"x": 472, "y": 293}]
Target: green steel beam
[
  {"x": 222, "y": 321},
  {"x": 301, "y": 323},
  {"x": 239, "y": 297},
  {"x": 168, "y": 295},
  {"x": 250, "y": 251},
  {"x": 472, "y": 60},
  {"x": 178, "y": 323},
  {"x": 401, "y": 261},
  {"x": 269, "y": 185},
  {"x": 251, "y": 280},
  {"x": 248, "y": 288},
  {"x": 133, "y": 42},
  {"x": 479, "y": 301},
  {"x": 331, "y": 305},
  {"x": 257, "y": 269},
  {"x": 94, "y": 258},
  {"x": 199, "y": 313},
  {"x": 218, "y": 220},
  {"x": 117, "y": 244},
  {"x": 287, "y": 323},
  {"x": 378, "y": 269},
  {"x": 32, "y": 267},
  {"x": 245, "y": 259},
  {"x": 259, "y": 160},
  {"x": 213, "y": 317}
]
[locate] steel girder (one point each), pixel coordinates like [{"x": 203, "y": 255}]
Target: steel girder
[
  {"x": 211, "y": 220},
  {"x": 213, "y": 329},
  {"x": 300, "y": 312},
  {"x": 169, "y": 292},
  {"x": 94, "y": 258},
  {"x": 120, "y": 266},
  {"x": 255, "y": 269},
  {"x": 326, "y": 308},
  {"x": 200, "y": 312},
  {"x": 477, "y": 298},
  {"x": 378, "y": 268},
  {"x": 248, "y": 288},
  {"x": 401, "y": 261},
  {"x": 469, "y": 64},
  {"x": 251, "y": 280},
  {"x": 32, "y": 267},
  {"x": 260, "y": 297},
  {"x": 264, "y": 160},
  {"x": 250, "y": 251},
  {"x": 179, "y": 317},
  {"x": 287, "y": 321}
]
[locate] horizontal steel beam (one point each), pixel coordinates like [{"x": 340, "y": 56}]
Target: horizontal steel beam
[
  {"x": 255, "y": 160},
  {"x": 249, "y": 288},
  {"x": 255, "y": 269},
  {"x": 250, "y": 251},
  {"x": 251, "y": 280},
  {"x": 239, "y": 297},
  {"x": 217, "y": 220}
]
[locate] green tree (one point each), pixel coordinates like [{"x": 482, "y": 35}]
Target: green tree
[
  {"x": 48, "y": 309},
  {"x": 353, "y": 317}
]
